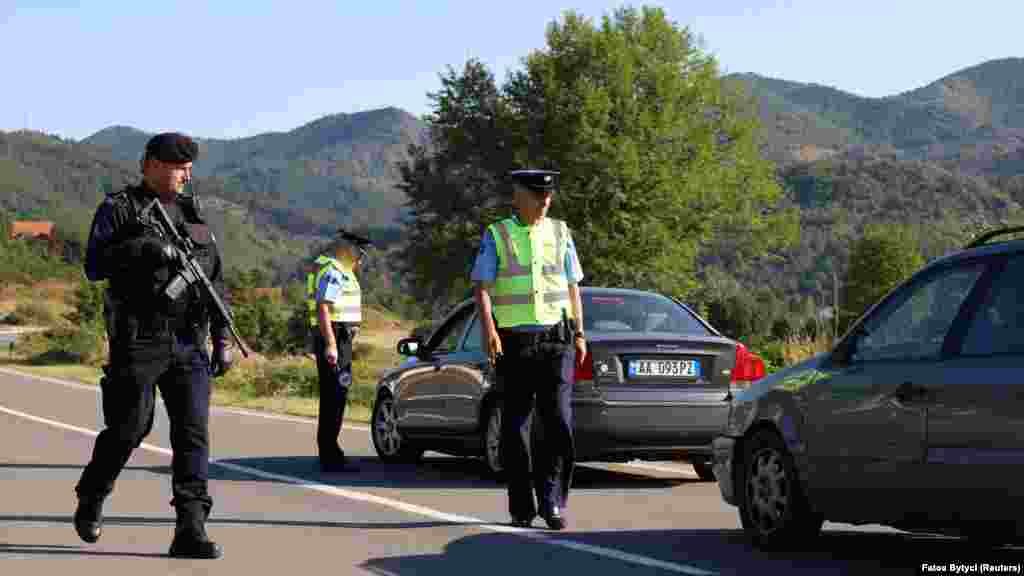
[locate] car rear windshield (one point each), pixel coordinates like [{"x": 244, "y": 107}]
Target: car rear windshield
[{"x": 621, "y": 313}]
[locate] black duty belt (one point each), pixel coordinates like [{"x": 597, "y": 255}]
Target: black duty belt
[{"x": 520, "y": 339}]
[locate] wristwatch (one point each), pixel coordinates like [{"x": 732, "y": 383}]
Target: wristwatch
[{"x": 579, "y": 334}]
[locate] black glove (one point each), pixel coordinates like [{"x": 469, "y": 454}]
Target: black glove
[
  {"x": 223, "y": 357},
  {"x": 159, "y": 251}
]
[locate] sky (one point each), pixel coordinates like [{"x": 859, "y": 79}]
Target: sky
[{"x": 236, "y": 68}]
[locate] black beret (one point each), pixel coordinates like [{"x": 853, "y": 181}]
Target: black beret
[
  {"x": 353, "y": 238},
  {"x": 172, "y": 147},
  {"x": 537, "y": 180}
]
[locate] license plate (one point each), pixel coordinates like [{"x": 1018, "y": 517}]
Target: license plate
[{"x": 664, "y": 368}]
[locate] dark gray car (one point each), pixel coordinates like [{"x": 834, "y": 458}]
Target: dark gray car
[
  {"x": 655, "y": 385},
  {"x": 915, "y": 420}
]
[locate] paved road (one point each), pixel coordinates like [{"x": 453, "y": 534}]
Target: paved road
[{"x": 275, "y": 513}]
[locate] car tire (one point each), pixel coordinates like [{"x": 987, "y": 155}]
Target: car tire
[
  {"x": 772, "y": 503},
  {"x": 387, "y": 441},
  {"x": 703, "y": 469},
  {"x": 490, "y": 442}
]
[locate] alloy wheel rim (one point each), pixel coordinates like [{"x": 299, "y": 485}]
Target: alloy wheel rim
[
  {"x": 767, "y": 491},
  {"x": 494, "y": 440},
  {"x": 386, "y": 428}
]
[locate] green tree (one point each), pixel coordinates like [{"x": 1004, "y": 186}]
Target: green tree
[
  {"x": 658, "y": 158},
  {"x": 882, "y": 258}
]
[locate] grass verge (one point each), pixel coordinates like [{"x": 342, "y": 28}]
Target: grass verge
[{"x": 283, "y": 385}]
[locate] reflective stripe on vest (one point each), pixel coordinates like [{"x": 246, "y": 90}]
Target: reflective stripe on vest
[
  {"x": 531, "y": 286},
  {"x": 311, "y": 288},
  {"x": 348, "y": 308}
]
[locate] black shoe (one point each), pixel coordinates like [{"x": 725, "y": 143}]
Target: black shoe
[
  {"x": 190, "y": 539},
  {"x": 89, "y": 518},
  {"x": 522, "y": 522},
  {"x": 187, "y": 545},
  {"x": 554, "y": 519}
]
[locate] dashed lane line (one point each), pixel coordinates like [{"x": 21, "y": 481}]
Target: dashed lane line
[{"x": 611, "y": 553}]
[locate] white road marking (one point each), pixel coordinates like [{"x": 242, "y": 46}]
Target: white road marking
[
  {"x": 403, "y": 506},
  {"x": 684, "y": 469},
  {"x": 240, "y": 411},
  {"x": 394, "y": 504}
]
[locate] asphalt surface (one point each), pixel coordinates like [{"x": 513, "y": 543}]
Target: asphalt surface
[{"x": 275, "y": 513}]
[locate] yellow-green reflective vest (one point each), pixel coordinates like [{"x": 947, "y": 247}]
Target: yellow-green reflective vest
[
  {"x": 531, "y": 286},
  {"x": 349, "y": 307}
]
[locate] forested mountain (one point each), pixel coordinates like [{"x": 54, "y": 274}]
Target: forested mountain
[
  {"x": 974, "y": 117},
  {"x": 337, "y": 170},
  {"x": 947, "y": 158},
  {"x": 44, "y": 177}
]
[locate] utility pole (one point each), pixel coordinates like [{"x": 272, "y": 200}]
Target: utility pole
[{"x": 835, "y": 305}]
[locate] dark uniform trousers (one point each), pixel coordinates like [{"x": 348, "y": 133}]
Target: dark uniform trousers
[
  {"x": 136, "y": 370},
  {"x": 536, "y": 378},
  {"x": 334, "y": 385}
]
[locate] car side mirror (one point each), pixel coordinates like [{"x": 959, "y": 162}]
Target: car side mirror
[{"x": 410, "y": 346}]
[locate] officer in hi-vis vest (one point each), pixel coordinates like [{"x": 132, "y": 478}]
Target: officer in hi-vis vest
[
  {"x": 335, "y": 311},
  {"x": 527, "y": 275}
]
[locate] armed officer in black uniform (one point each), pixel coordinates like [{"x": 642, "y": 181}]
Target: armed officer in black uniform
[{"x": 157, "y": 340}]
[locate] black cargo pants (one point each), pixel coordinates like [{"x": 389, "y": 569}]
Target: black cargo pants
[
  {"x": 136, "y": 370},
  {"x": 536, "y": 378},
  {"x": 334, "y": 386}
]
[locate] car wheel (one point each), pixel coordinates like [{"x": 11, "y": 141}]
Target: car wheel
[
  {"x": 704, "y": 470},
  {"x": 387, "y": 441},
  {"x": 490, "y": 442},
  {"x": 773, "y": 507}
]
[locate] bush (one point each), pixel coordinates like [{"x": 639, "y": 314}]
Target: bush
[
  {"x": 264, "y": 326},
  {"x": 27, "y": 262},
  {"x": 773, "y": 354},
  {"x": 38, "y": 312},
  {"x": 296, "y": 377},
  {"x": 69, "y": 345}
]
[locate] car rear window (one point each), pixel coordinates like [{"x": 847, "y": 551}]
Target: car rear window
[{"x": 620, "y": 313}]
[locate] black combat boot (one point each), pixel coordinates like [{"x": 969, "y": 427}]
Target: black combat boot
[
  {"x": 89, "y": 517},
  {"x": 190, "y": 539},
  {"x": 334, "y": 460}
]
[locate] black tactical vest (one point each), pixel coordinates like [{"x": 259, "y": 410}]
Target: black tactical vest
[{"x": 136, "y": 300}]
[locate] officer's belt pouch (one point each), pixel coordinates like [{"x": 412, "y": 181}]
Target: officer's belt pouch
[{"x": 536, "y": 345}]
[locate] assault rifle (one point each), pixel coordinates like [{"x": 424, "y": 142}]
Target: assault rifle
[{"x": 191, "y": 272}]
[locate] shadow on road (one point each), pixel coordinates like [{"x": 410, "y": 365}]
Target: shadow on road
[
  {"x": 440, "y": 472},
  {"x": 55, "y": 550},
  {"x": 695, "y": 552}
]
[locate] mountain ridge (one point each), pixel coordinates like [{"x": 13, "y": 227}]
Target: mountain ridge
[{"x": 981, "y": 106}]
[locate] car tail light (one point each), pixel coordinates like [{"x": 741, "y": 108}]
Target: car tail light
[
  {"x": 749, "y": 366},
  {"x": 585, "y": 371}
]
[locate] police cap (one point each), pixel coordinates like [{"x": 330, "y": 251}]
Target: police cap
[
  {"x": 172, "y": 147},
  {"x": 536, "y": 180},
  {"x": 353, "y": 238}
]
